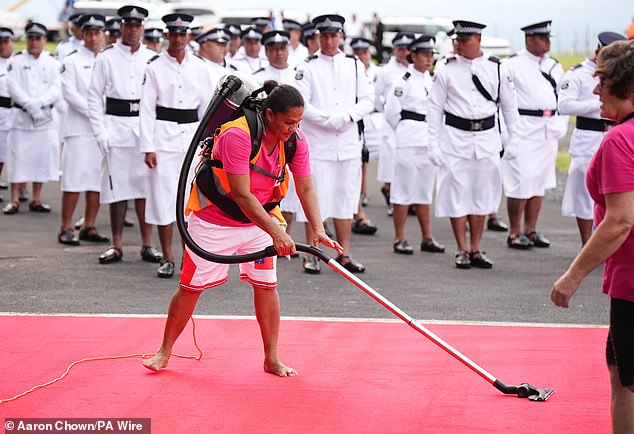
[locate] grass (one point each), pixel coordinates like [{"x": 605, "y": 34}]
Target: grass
[
  {"x": 569, "y": 60},
  {"x": 563, "y": 161}
]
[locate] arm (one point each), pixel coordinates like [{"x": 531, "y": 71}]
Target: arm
[
  {"x": 69, "y": 90},
  {"x": 15, "y": 90},
  {"x": 569, "y": 103},
  {"x": 379, "y": 87},
  {"x": 365, "y": 94},
  {"x": 437, "y": 99},
  {"x": 393, "y": 105},
  {"x": 147, "y": 116},
  {"x": 610, "y": 234},
  {"x": 303, "y": 82},
  {"x": 96, "y": 100},
  {"x": 54, "y": 91}
]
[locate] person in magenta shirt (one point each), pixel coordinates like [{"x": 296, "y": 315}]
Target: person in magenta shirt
[
  {"x": 217, "y": 232},
  {"x": 610, "y": 181}
]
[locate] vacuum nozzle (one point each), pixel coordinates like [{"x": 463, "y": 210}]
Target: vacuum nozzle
[{"x": 524, "y": 390}]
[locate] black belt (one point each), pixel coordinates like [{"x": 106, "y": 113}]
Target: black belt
[
  {"x": 593, "y": 124},
  {"x": 122, "y": 107},
  {"x": 5, "y": 102},
  {"x": 538, "y": 113},
  {"x": 181, "y": 116},
  {"x": 406, "y": 114},
  {"x": 50, "y": 106},
  {"x": 469, "y": 124}
]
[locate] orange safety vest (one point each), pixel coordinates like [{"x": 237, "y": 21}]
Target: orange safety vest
[{"x": 214, "y": 178}]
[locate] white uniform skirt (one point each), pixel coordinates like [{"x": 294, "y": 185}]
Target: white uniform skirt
[
  {"x": 128, "y": 172},
  {"x": 160, "y": 205},
  {"x": 385, "y": 169},
  {"x": 33, "y": 155},
  {"x": 3, "y": 145},
  {"x": 577, "y": 201},
  {"x": 338, "y": 186},
  {"x": 468, "y": 187},
  {"x": 81, "y": 164},
  {"x": 414, "y": 177},
  {"x": 373, "y": 133},
  {"x": 291, "y": 202},
  {"x": 532, "y": 172}
]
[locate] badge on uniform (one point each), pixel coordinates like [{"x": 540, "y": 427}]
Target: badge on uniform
[
  {"x": 264, "y": 263},
  {"x": 144, "y": 77},
  {"x": 299, "y": 75},
  {"x": 9, "y": 67},
  {"x": 565, "y": 85},
  {"x": 62, "y": 69},
  {"x": 398, "y": 92}
]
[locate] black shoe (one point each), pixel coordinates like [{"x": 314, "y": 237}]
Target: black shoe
[
  {"x": 518, "y": 241},
  {"x": 165, "y": 270},
  {"x": 350, "y": 264},
  {"x": 480, "y": 260},
  {"x": 432, "y": 246},
  {"x": 39, "y": 207},
  {"x": 128, "y": 223},
  {"x": 150, "y": 254},
  {"x": 363, "y": 227},
  {"x": 463, "y": 260},
  {"x": 91, "y": 234},
  {"x": 385, "y": 191},
  {"x": 311, "y": 265},
  {"x": 496, "y": 224},
  {"x": 24, "y": 196},
  {"x": 403, "y": 247},
  {"x": 112, "y": 254},
  {"x": 79, "y": 223},
  {"x": 3, "y": 185},
  {"x": 67, "y": 236},
  {"x": 537, "y": 240},
  {"x": 11, "y": 208}
]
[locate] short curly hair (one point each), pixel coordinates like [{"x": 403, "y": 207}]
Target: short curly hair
[{"x": 615, "y": 68}]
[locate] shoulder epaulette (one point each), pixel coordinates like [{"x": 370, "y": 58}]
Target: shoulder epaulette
[
  {"x": 259, "y": 70},
  {"x": 577, "y": 66},
  {"x": 18, "y": 53},
  {"x": 431, "y": 73},
  {"x": 450, "y": 59},
  {"x": 71, "y": 53},
  {"x": 233, "y": 67},
  {"x": 494, "y": 59},
  {"x": 351, "y": 56},
  {"x": 200, "y": 57},
  {"x": 556, "y": 61},
  {"x": 152, "y": 59},
  {"x": 513, "y": 55},
  {"x": 107, "y": 47},
  {"x": 309, "y": 58},
  {"x": 52, "y": 55},
  {"x": 407, "y": 76}
]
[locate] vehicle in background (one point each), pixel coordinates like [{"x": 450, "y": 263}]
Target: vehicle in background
[
  {"x": 13, "y": 21},
  {"x": 204, "y": 15},
  {"x": 242, "y": 17}
]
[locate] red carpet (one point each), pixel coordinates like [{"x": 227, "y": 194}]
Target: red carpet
[{"x": 354, "y": 377}]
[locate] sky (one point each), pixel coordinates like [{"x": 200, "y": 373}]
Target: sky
[{"x": 575, "y": 22}]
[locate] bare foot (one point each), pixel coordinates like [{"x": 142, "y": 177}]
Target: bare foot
[
  {"x": 280, "y": 369},
  {"x": 157, "y": 362}
]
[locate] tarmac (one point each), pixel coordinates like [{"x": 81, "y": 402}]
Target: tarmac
[{"x": 39, "y": 275}]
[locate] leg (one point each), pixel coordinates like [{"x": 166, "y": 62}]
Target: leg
[
  {"x": 289, "y": 217},
  {"x": 585, "y": 230},
  {"x": 146, "y": 229},
  {"x": 37, "y": 192},
  {"x": 343, "y": 228},
  {"x": 69, "y": 202},
  {"x": 92, "y": 208},
  {"x": 267, "y": 311},
  {"x": 399, "y": 217},
  {"x": 424, "y": 221},
  {"x": 180, "y": 310},
  {"x": 117, "y": 216},
  {"x": 15, "y": 191},
  {"x": 515, "y": 209},
  {"x": 622, "y": 404},
  {"x": 531, "y": 213},
  {"x": 459, "y": 227},
  {"x": 165, "y": 236},
  {"x": 476, "y": 226}
]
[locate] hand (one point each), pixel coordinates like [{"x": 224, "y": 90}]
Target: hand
[
  {"x": 283, "y": 243},
  {"x": 338, "y": 120},
  {"x": 320, "y": 237},
  {"x": 435, "y": 156},
  {"x": 563, "y": 290},
  {"x": 103, "y": 145},
  {"x": 38, "y": 116},
  {"x": 150, "y": 160},
  {"x": 510, "y": 151},
  {"x": 32, "y": 106}
]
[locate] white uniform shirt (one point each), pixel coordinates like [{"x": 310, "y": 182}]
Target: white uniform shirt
[
  {"x": 76, "y": 70},
  {"x": 242, "y": 62},
  {"x": 184, "y": 86},
  {"x": 66, "y": 47},
  {"x": 118, "y": 74},
  {"x": 297, "y": 55},
  {"x": 534, "y": 92},
  {"x": 453, "y": 91},
  {"x": 5, "y": 112},
  {"x": 327, "y": 84},
  {"x": 33, "y": 80},
  {"x": 385, "y": 78},
  {"x": 576, "y": 98},
  {"x": 281, "y": 76},
  {"x": 411, "y": 93}
]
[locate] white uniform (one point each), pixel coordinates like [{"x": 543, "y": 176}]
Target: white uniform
[
  {"x": 469, "y": 181},
  {"x": 281, "y": 76},
  {"x": 34, "y": 85},
  {"x": 576, "y": 98},
  {"x": 406, "y": 112},
  {"x": 81, "y": 169},
  {"x": 330, "y": 86},
  {"x": 374, "y": 122},
  {"x": 113, "y": 103},
  {"x": 217, "y": 70},
  {"x": 64, "y": 48},
  {"x": 533, "y": 171},
  {"x": 5, "y": 108},
  {"x": 175, "y": 96},
  {"x": 242, "y": 62},
  {"x": 297, "y": 55},
  {"x": 385, "y": 79}
]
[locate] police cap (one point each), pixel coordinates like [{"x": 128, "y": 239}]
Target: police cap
[
  {"x": 422, "y": 43},
  {"x": 403, "y": 39},
  {"x": 6, "y": 33},
  {"x": 360, "y": 44},
  {"x": 92, "y": 21},
  {"x": 289, "y": 25},
  {"x": 113, "y": 26},
  {"x": 538, "y": 29},
  {"x": 214, "y": 35},
  {"x": 308, "y": 30},
  {"x": 275, "y": 37},
  {"x": 606, "y": 38},
  {"x": 177, "y": 23},
  {"x": 330, "y": 23},
  {"x": 153, "y": 34},
  {"x": 35, "y": 29},
  {"x": 132, "y": 14},
  {"x": 252, "y": 33},
  {"x": 465, "y": 29}
]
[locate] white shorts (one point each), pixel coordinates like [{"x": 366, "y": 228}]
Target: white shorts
[
  {"x": 468, "y": 187},
  {"x": 160, "y": 205},
  {"x": 33, "y": 155},
  {"x": 291, "y": 202},
  {"x": 338, "y": 187},
  {"x": 414, "y": 177},
  {"x": 577, "y": 201},
  {"x": 198, "y": 274},
  {"x": 81, "y": 164},
  {"x": 532, "y": 172},
  {"x": 128, "y": 172}
]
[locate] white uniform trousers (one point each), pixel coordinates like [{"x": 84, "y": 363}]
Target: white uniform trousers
[
  {"x": 81, "y": 164},
  {"x": 291, "y": 202},
  {"x": 128, "y": 172},
  {"x": 577, "y": 201},
  {"x": 385, "y": 169},
  {"x": 338, "y": 187},
  {"x": 532, "y": 172},
  {"x": 3, "y": 145},
  {"x": 468, "y": 186},
  {"x": 414, "y": 177},
  {"x": 33, "y": 155},
  {"x": 160, "y": 205}
]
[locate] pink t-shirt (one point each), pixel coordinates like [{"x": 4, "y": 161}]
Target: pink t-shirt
[
  {"x": 233, "y": 148},
  {"x": 611, "y": 170}
]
